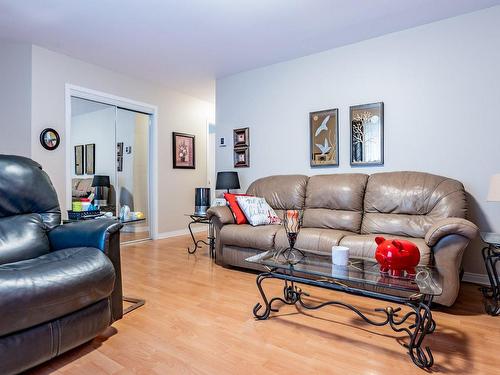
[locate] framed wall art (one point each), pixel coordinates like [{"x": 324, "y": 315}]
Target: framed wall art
[
  {"x": 90, "y": 158},
  {"x": 79, "y": 161},
  {"x": 324, "y": 138},
  {"x": 367, "y": 134},
  {"x": 241, "y": 137},
  {"x": 183, "y": 148},
  {"x": 241, "y": 157},
  {"x": 119, "y": 156}
]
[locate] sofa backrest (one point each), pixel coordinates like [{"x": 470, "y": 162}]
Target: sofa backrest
[
  {"x": 28, "y": 208},
  {"x": 285, "y": 192},
  {"x": 408, "y": 203},
  {"x": 335, "y": 201}
]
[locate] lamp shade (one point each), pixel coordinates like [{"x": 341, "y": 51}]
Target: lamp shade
[
  {"x": 227, "y": 180},
  {"x": 494, "y": 192},
  {"x": 100, "y": 181}
]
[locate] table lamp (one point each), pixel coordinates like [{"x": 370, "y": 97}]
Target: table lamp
[
  {"x": 227, "y": 180},
  {"x": 101, "y": 185}
]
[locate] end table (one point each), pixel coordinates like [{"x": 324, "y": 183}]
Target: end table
[
  {"x": 202, "y": 219},
  {"x": 491, "y": 256}
]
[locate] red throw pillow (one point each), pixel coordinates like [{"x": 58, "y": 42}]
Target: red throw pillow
[{"x": 239, "y": 216}]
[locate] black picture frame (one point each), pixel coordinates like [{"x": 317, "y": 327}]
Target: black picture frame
[
  {"x": 90, "y": 158},
  {"x": 178, "y": 154},
  {"x": 119, "y": 156},
  {"x": 79, "y": 160},
  {"x": 50, "y": 139},
  {"x": 328, "y": 137},
  {"x": 358, "y": 115}
]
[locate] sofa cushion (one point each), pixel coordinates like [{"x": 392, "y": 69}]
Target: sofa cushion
[
  {"x": 409, "y": 203},
  {"x": 281, "y": 192},
  {"x": 312, "y": 240},
  {"x": 335, "y": 201},
  {"x": 22, "y": 237},
  {"x": 45, "y": 288},
  {"x": 364, "y": 246},
  {"x": 245, "y": 235}
]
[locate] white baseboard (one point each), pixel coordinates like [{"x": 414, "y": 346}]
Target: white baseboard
[
  {"x": 176, "y": 233},
  {"x": 476, "y": 278}
]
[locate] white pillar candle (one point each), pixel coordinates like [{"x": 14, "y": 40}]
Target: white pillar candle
[{"x": 340, "y": 255}]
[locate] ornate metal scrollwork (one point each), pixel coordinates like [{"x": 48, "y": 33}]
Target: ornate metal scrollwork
[{"x": 417, "y": 323}]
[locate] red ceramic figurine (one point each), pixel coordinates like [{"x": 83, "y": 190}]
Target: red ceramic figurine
[{"x": 396, "y": 256}]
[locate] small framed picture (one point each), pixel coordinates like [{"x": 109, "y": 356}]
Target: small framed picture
[
  {"x": 324, "y": 138},
  {"x": 119, "y": 156},
  {"x": 241, "y": 137},
  {"x": 79, "y": 161},
  {"x": 241, "y": 157},
  {"x": 367, "y": 134},
  {"x": 90, "y": 158},
  {"x": 183, "y": 148}
]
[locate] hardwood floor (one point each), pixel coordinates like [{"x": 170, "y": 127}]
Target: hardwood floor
[{"x": 198, "y": 320}]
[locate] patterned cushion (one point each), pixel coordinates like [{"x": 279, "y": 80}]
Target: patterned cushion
[{"x": 257, "y": 211}]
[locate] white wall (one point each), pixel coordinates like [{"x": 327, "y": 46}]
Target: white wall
[
  {"x": 15, "y": 98},
  {"x": 441, "y": 87},
  {"x": 176, "y": 112}
]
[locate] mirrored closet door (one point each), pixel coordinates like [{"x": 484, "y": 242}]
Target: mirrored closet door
[{"x": 110, "y": 163}]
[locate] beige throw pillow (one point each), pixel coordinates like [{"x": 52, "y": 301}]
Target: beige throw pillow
[{"x": 257, "y": 211}]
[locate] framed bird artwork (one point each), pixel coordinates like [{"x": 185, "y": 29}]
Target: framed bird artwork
[{"x": 324, "y": 138}]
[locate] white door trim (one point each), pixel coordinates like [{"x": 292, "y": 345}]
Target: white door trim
[{"x": 99, "y": 96}]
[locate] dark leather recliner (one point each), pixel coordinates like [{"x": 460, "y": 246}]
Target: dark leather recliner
[{"x": 60, "y": 285}]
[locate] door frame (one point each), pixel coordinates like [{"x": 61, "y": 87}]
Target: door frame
[{"x": 118, "y": 101}]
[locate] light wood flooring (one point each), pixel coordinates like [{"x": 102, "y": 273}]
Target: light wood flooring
[{"x": 198, "y": 320}]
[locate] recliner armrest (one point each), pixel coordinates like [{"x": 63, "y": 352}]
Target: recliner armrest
[
  {"x": 88, "y": 233},
  {"x": 103, "y": 234},
  {"x": 223, "y": 214},
  {"x": 452, "y": 225}
]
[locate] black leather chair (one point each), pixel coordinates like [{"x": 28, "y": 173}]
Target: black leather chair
[{"x": 60, "y": 285}]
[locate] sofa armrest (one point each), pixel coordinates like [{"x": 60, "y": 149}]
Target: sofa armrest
[
  {"x": 222, "y": 213},
  {"x": 103, "y": 234},
  {"x": 452, "y": 225}
]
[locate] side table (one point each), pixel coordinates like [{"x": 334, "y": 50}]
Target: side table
[
  {"x": 491, "y": 256},
  {"x": 202, "y": 219}
]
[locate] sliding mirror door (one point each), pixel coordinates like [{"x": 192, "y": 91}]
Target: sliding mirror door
[
  {"x": 132, "y": 144},
  {"x": 110, "y": 163},
  {"x": 93, "y": 153}
]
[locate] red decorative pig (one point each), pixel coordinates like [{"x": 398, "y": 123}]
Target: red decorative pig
[{"x": 396, "y": 256}]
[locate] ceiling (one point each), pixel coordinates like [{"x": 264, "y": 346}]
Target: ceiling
[{"x": 186, "y": 44}]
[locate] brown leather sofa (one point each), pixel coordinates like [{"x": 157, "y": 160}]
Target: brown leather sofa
[{"x": 351, "y": 210}]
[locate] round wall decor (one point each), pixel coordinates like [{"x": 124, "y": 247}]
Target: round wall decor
[{"x": 49, "y": 138}]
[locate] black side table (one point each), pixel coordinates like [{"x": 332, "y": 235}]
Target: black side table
[
  {"x": 202, "y": 219},
  {"x": 491, "y": 256}
]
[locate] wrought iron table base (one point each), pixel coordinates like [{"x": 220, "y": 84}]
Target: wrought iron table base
[
  {"x": 211, "y": 236},
  {"x": 136, "y": 303},
  {"x": 491, "y": 256},
  {"x": 416, "y": 324}
]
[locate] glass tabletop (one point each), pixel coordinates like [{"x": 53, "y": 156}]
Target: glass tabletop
[
  {"x": 491, "y": 238},
  {"x": 358, "y": 271}
]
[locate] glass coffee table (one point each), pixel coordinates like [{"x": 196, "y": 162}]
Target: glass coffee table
[{"x": 359, "y": 277}]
